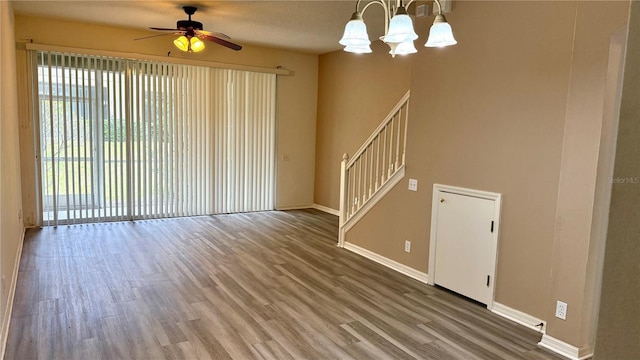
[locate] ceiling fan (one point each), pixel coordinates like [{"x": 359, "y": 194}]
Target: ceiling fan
[{"x": 191, "y": 34}]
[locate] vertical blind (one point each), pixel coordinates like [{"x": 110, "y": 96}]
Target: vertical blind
[{"x": 126, "y": 139}]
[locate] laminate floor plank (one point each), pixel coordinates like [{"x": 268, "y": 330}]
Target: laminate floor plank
[
  {"x": 305, "y": 320},
  {"x": 438, "y": 350},
  {"x": 266, "y": 285},
  {"x": 394, "y": 330},
  {"x": 370, "y": 339},
  {"x": 486, "y": 321},
  {"x": 271, "y": 350},
  {"x": 489, "y": 329},
  {"x": 292, "y": 340},
  {"x": 301, "y": 297}
]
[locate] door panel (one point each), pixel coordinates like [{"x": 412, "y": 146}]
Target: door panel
[{"x": 463, "y": 254}]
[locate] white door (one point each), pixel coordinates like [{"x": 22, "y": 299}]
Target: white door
[{"x": 465, "y": 245}]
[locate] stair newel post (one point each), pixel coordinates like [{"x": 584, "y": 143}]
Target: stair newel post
[{"x": 344, "y": 207}]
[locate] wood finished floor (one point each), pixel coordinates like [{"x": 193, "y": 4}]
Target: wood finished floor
[{"x": 269, "y": 285}]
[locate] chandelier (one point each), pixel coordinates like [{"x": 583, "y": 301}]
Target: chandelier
[{"x": 399, "y": 33}]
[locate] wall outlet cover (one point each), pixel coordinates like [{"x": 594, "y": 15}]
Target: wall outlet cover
[
  {"x": 413, "y": 184},
  {"x": 561, "y": 310}
]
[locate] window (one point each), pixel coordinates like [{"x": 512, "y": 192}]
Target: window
[{"x": 124, "y": 139}]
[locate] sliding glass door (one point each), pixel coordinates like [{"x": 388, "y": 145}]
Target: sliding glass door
[{"x": 122, "y": 139}]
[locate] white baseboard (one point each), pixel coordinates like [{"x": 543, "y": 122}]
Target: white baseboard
[
  {"x": 564, "y": 349},
  {"x": 547, "y": 342},
  {"x": 293, "y": 207},
  {"x": 519, "y": 317},
  {"x": 12, "y": 292},
  {"x": 401, "y": 268},
  {"x": 326, "y": 209}
]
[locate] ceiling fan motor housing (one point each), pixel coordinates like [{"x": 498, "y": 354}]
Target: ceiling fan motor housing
[{"x": 186, "y": 24}]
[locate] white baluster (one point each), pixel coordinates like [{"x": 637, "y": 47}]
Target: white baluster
[
  {"x": 364, "y": 161},
  {"x": 398, "y": 139},
  {"x": 371, "y": 155},
  {"x": 384, "y": 155},
  {"x": 352, "y": 181},
  {"x": 392, "y": 123},
  {"x": 406, "y": 125},
  {"x": 377, "y": 140}
]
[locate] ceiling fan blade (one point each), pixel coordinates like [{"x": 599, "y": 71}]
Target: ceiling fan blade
[
  {"x": 156, "y": 35},
  {"x": 216, "y": 34},
  {"x": 219, "y": 41},
  {"x": 164, "y": 29}
]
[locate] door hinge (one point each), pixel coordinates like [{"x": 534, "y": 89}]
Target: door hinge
[
  {"x": 491, "y": 225},
  {"x": 488, "y": 278}
]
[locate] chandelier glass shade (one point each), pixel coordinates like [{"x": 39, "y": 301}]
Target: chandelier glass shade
[
  {"x": 440, "y": 34},
  {"x": 364, "y": 49},
  {"x": 355, "y": 37},
  {"x": 404, "y": 48},
  {"x": 400, "y": 28}
]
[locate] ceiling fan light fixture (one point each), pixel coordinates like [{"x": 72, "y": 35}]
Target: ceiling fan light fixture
[
  {"x": 196, "y": 44},
  {"x": 182, "y": 43}
]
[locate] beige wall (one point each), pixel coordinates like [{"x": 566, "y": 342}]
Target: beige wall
[
  {"x": 297, "y": 95},
  {"x": 490, "y": 113},
  {"x": 11, "y": 228},
  {"x": 618, "y": 323}
]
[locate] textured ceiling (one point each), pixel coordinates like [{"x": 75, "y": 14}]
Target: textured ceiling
[{"x": 310, "y": 26}]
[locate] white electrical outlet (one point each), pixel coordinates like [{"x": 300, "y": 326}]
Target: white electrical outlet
[
  {"x": 413, "y": 184},
  {"x": 561, "y": 310},
  {"x": 407, "y": 246}
]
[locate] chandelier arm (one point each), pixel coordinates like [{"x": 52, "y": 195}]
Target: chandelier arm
[
  {"x": 439, "y": 6},
  {"x": 386, "y": 12},
  {"x": 409, "y": 3}
]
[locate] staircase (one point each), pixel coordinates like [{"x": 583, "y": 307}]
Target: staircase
[{"x": 374, "y": 169}]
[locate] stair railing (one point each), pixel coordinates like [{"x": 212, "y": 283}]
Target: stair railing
[{"x": 376, "y": 162}]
